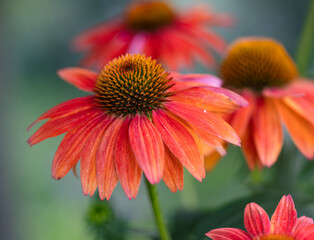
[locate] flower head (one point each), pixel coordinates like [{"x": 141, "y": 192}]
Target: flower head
[
  {"x": 284, "y": 224},
  {"x": 156, "y": 29},
  {"x": 139, "y": 119},
  {"x": 261, "y": 70}
]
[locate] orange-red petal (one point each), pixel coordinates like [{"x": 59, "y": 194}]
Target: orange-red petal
[
  {"x": 82, "y": 78},
  {"x": 107, "y": 177},
  {"x": 181, "y": 143},
  {"x": 128, "y": 170},
  {"x": 228, "y": 234},
  {"x": 147, "y": 147},
  {"x": 267, "y": 131},
  {"x": 249, "y": 150},
  {"x": 301, "y": 223},
  {"x": 256, "y": 220}
]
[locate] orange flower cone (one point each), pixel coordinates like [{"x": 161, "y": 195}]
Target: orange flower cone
[
  {"x": 139, "y": 119},
  {"x": 262, "y": 72},
  {"x": 155, "y": 29},
  {"x": 284, "y": 224}
]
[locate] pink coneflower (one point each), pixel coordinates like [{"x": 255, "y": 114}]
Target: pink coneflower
[
  {"x": 284, "y": 224},
  {"x": 157, "y": 30},
  {"x": 138, "y": 120}
]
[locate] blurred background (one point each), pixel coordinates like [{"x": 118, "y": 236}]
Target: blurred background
[{"x": 35, "y": 37}]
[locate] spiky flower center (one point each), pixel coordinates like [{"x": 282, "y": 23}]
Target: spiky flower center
[
  {"x": 274, "y": 237},
  {"x": 132, "y": 84},
  {"x": 257, "y": 63},
  {"x": 148, "y": 15}
]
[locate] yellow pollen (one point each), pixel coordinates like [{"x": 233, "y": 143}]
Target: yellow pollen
[
  {"x": 148, "y": 15},
  {"x": 274, "y": 237},
  {"x": 257, "y": 63},
  {"x": 132, "y": 84}
]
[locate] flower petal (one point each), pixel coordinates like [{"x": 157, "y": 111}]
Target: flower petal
[
  {"x": 147, "y": 147},
  {"x": 181, "y": 143},
  {"x": 302, "y": 106},
  {"x": 88, "y": 161},
  {"x": 107, "y": 177},
  {"x": 81, "y": 78},
  {"x": 71, "y": 106},
  {"x": 212, "y": 156},
  {"x": 284, "y": 217},
  {"x": 208, "y": 121},
  {"x": 267, "y": 131},
  {"x": 256, "y": 220},
  {"x": 228, "y": 234},
  {"x": 301, "y": 223},
  {"x": 70, "y": 149},
  {"x": 307, "y": 233},
  {"x": 128, "y": 170},
  {"x": 249, "y": 150},
  {"x": 300, "y": 130},
  {"x": 173, "y": 172}
]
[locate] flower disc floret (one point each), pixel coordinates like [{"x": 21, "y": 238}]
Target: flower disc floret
[
  {"x": 132, "y": 84},
  {"x": 256, "y": 64}
]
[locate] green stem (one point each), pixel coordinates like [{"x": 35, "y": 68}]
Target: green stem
[
  {"x": 303, "y": 56},
  {"x": 164, "y": 235}
]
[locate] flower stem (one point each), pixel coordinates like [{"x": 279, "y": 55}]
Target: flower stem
[
  {"x": 306, "y": 41},
  {"x": 164, "y": 235}
]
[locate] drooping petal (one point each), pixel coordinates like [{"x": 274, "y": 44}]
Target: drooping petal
[
  {"x": 284, "y": 217},
  {"x": 212, "y": 155},
  {"x": 267, "y": 131},
  {"x": 228, "y": 234},
  {"x": 82, "y": 78},
  {"x": 181, "y": 143},
  {"x": 256, "y": 220},
  {"x": 128, "y": 170},
  {"x": 197, "y": 79},
  {"x": 302, "y": 106},
  {"x": 249, "y": 150},
  {"x": 173, "y": 172},
  {"x": 147, "y": 147},
  {"x": 300, "y": 130},
  {"x": 301, "y": 223},
  {"x": 88, "y": 161},
  {"x": 208, "y": 121},
  {"x": 70, "y": 149},
  {"x": 56, "y": 126},
  {"x": 107, "y": 177},
  {"x": 68, "y": 107}
]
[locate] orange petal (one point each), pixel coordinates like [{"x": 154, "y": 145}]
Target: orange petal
[
  {"x": 82, "y": 78},
  {"x": 300, "y": 130},
  {"x": 302, "y": 106},
  {"x": 88, "y": 161},
  {"x": 212, "y": 156},
  {"x": 128, "y": 170},
  {"x": 107, "y": 177},
  {"x": 249, "y": 150},
  {"x": 284, "y": 217},
  {"x": 267, "y": 131},
  {"x": 256, "y": 220},
  {"x": 69, "y": 151},
  {"x": 181, "y": 143},
  {"x": 173, "y": 172},
  {"x": 205, "y": 120},
  {"x": 147, "y": 147}
]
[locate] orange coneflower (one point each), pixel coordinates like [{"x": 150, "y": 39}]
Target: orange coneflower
[
  {"x": 284, "y": 224},
  {"x": 157, "y": 30},
  {"x": 261, "y": 70},
  {"x": 139, "y": 119}
]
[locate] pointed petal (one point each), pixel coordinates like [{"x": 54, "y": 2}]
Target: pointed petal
[
  {"x": 208, "y": 121},
  {"x": 88, "y": 161},
  {"x": 181, "y": 143},
  {"x": 56, "y": 126},
  {"x": 256, "y": 220},
  {"x": 107, "y": 177},
  {"x": 249, "y": 150},
  {"x": 81, "y": 78},
  {"x": 173, "y": 172},
  {"x": 300, "y": 130},
  {"x": 267, "y": 131},
  {"x": 228, "y": 234},
  {"x": 128, "y": 170},
  {"x": 147, "y": 147},
  {"x": 301, "y": 223},
  {"x": 69, "y": 151},
  {"x": 284, "y": 217},
  {"x": 68, "y": 107}
]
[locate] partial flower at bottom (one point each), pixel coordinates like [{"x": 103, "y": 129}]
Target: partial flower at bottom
[
  {"x": 284, "y": 224},
  {"x": 139, "y": 119}
]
